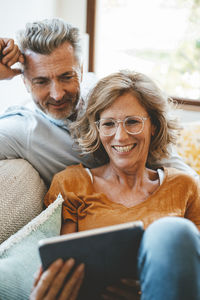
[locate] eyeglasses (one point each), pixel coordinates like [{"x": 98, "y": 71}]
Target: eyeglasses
[{"x": 133, "y": 125}]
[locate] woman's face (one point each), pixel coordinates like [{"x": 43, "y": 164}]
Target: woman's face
[{"x": 127, "y": 151}]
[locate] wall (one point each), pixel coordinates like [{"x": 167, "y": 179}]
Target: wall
[
  {"x": 188, "y": 113},
  {"x": 15, "y": 14},
  {"x": 73, "y": 11}
]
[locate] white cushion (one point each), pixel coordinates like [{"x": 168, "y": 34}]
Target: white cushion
[{"x": 21, "y": 195}]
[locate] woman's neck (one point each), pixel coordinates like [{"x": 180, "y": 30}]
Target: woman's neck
[{"x": 136, "y": 176}]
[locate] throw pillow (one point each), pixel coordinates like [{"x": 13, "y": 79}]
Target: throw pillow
[
  {"x": 21, "y": 195},
  {"x": 19, "y": 255},
  {"x": 188, "y": 145}
]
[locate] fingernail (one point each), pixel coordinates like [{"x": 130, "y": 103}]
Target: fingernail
[
  {"x": 36, "y": 274},
  {"x": 110, "y": 288},
  {"x": 81, "y": 267},
  {"x": 70, "y": 262},
  {"x": 59, "y": 262}
]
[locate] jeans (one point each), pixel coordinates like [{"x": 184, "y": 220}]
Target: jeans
[{"x": 169, "y": 260}]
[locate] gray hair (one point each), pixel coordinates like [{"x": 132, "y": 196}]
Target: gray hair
[
  {"x": 45, "y": 36},
  {"x": 155, "y": 102}
]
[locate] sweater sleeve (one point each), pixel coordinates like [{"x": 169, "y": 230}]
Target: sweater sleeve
[
  {"x": 73, "y": 184},
  {"x": 175, "y": 161},
  {"x": 193, "y": 205}
]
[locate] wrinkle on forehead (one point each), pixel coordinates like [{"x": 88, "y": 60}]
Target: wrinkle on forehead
[{"x": 61, "y": 60}]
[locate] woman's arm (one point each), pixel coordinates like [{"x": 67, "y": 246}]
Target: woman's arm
[{"x": 68, "y": 227}]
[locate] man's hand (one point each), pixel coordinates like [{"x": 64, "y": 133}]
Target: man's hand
[
  {"x": 9, "y": 55},
  {"x": 52, "y": 284},
  {"x": 128, "y": 289}
]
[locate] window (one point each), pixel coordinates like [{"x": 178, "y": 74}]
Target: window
[{"x": 159, "y": 38}]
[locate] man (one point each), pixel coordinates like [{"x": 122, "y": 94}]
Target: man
[
  {"x": 50, "y": 55},
  {"x": 50, "y": 52}
]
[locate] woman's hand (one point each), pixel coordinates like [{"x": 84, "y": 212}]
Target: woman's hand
[
  {"x": 9, "y": 55},
  {"x": 128, "y": 289},
  {"x": 51, "y": 283}
]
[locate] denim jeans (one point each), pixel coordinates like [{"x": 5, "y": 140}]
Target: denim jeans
[{"x": 169, "y": 260}]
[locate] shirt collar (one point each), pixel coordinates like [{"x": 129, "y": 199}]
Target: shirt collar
[{"x": 61, "y": 123}]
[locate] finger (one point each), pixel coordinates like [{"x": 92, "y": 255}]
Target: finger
[
  {"x": 2, "y": 45},
  {"x": 77, "y": 288},
  {"x": 9, "y": 44},
  {"x": 37, "y": 276},
  {"x": 12, "y": 55},
  {"x": 108, "y": 297},
  {"x": 116, "y": 290},
  {"x": 70, "y": 285},
  {"x": 21, "y": 58},
  {"x": 60, "y": 278},
  {"x": 131, "y": 282},
  {"x": 46, "y": 279},
  {"x": 126, "y": 293},
  {"x": 18, "y": 57},
  {"x": 16, "y": 72},
  {"x": 114, "y": 297},
  {"x": 14, "y": 59}
]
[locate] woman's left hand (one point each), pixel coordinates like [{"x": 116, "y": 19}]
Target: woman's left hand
[
  {"x": 129, "y": 289},
  {"x": 52, "y": 285}
]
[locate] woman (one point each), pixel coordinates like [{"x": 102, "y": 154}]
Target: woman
[{"x": 128, "y": 122}]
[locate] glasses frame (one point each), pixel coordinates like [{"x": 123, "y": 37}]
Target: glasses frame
[{"x": 143, "y": 119}]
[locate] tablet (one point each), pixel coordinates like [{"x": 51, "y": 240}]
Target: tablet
[{"x": 109, "y": 253}]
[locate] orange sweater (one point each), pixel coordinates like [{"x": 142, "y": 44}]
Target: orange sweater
[{"x": 178, "y": 195}]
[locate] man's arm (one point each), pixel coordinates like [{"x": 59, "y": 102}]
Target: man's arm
[
  {"x": 175, "y": 161},
  {"x": 9, "y": 55}
]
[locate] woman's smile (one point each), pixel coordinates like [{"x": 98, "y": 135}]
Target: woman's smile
[{"x": 125, "y": 148}]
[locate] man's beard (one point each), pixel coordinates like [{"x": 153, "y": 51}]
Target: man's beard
[{"x": 70, "y": 99}]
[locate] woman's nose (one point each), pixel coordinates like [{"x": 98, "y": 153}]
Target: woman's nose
[{"x": 120, "y": 132}]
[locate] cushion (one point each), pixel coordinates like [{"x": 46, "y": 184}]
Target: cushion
[
  {"x": 188, "y": 145},
  {"x": 19, "y": 255},
  {"x": 21, "y": 195}
]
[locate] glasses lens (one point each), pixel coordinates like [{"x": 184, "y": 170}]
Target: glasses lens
[
  {"x": 107, "y": 127},
  {"x": 133, "y": 124}
]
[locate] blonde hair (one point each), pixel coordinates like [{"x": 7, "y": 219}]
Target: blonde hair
[{"x": 155, "y": 102}]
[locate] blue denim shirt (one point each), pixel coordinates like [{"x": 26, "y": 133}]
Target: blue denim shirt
[{"x": 39, "y": 139}]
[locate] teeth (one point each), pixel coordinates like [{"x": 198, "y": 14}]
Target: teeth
[{"x": 124, "y": 148}]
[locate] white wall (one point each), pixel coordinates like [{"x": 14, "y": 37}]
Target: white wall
[
  {"x": 73, "y": 11},
  {"x": 15, "y": 14}
]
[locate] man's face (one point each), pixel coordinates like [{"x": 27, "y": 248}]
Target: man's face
[{"x": 54, "y": 80}]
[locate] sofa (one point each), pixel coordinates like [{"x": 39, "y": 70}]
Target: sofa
[
  {"x": 188, "y": 145},
  {"x": 24, "y": 221}
]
